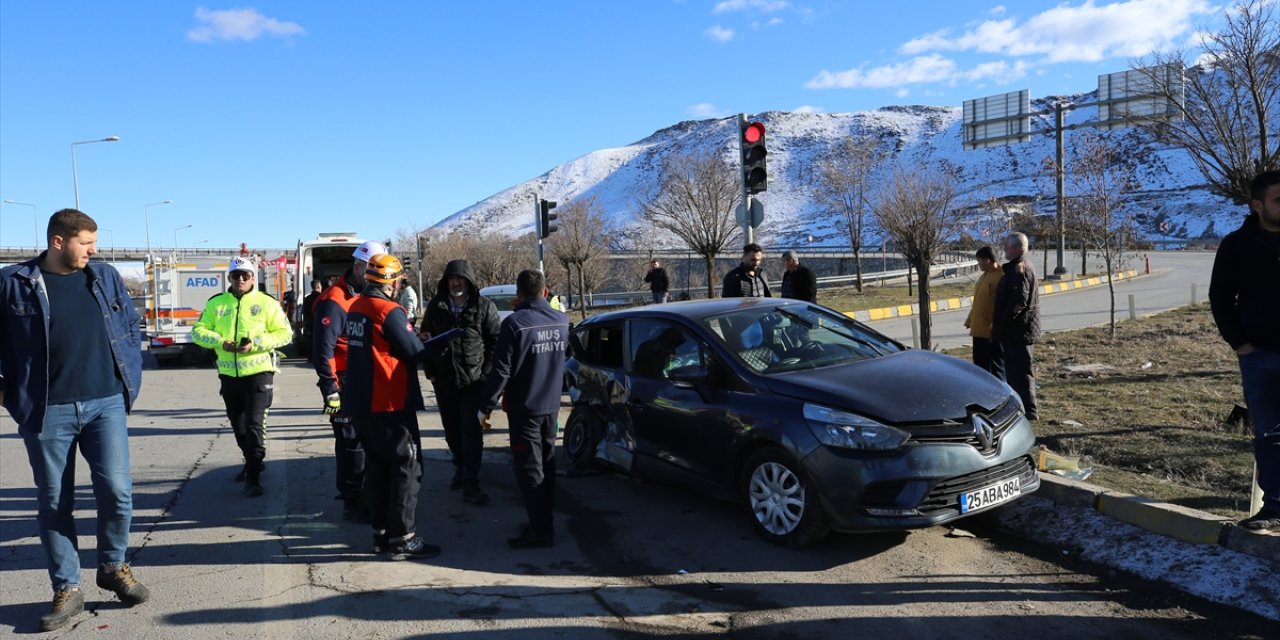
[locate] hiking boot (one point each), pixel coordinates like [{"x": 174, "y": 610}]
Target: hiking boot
[
  {"x": 252, "y": 488},
  {"x": 530, "y": 540},
  {"x": 122, "y": 582},
  {"x": 1263, "y": 520},
  {"x": 67, "y": 603},
  {"x": 473, "y": 495},
  {"x": 414, "y": 548}
]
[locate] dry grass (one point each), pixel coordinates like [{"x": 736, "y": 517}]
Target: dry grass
[{"x": 1153, "y": 420}]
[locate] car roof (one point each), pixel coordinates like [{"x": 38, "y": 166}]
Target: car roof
[
  {"x": 499, "y": 289},
  {"x": 692, "y": 309}
]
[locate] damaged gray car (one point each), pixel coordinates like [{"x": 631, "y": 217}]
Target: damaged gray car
[{"x": 812, "y": 420}]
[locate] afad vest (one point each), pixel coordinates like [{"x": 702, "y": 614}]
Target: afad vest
[
  {"x": 377, "y": 381},
  {"x": 256, "y": 316},
  {"x": 340, "y": 296}
]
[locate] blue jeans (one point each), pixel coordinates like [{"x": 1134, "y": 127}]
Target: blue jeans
[
  {"x": 1260, "y": 377},
  {"x": 98, "y": 428}
]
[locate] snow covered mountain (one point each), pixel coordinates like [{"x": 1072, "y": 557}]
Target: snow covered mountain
[{"x": 1172, "y": 194}]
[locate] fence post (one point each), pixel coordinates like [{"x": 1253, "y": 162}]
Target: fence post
[
  {"x": 1193, "y": 294},
  {"x": 915, "y": 331},
  {"x": 1133, "y": 309}
]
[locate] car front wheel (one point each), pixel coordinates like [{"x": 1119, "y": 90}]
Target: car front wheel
[
  {"x": 581, "y": 435},
  {"x": 782, "y": 503}
]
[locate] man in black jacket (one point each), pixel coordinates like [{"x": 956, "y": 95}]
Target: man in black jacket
[
  {"x": 457, "y": 369},
  {"x": 658, "y": 282},
  {"x": 746, "y": 280},
  {"x": 1016, "y": 323},
  {"x": 798, "y": 282},
  {"x": 1244, "y": 293},
  {"x": 529, "y": 364}
]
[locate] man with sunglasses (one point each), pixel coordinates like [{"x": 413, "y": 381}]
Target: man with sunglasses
[{"x": 245, "y": 327}]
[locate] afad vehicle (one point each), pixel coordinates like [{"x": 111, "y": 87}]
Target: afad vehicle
[
  {"x": 177, "y": 289},
  {"x": 325, "y": 258}
]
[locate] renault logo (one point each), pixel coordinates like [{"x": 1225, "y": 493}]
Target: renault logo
[{"x": 984, "y": 431}]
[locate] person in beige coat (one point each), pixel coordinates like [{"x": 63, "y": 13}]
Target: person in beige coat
[{"x": 986, "y": 352}]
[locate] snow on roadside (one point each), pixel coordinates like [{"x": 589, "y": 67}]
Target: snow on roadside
[{"x": 1211, "y": 572}]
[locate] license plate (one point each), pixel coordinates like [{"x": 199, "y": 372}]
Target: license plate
[{"x": 990, "y": 495}]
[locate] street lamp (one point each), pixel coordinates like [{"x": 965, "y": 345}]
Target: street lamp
[
  {"x": 146, "y": 219},
  {"x": 35, "y": 221},
  {"x": 149, "y": 263},
  {"x": 75, "y": 182},
  {"x": 175, "y": 238}
]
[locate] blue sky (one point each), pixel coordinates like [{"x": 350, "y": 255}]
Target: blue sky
[{"x": 266, "y": 122}]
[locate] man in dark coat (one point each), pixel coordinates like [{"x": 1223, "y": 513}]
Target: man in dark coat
[
  {"x": 658, "y": 282},
  {"x": 746, "y": 280},
  {"x": 457, "y": 368},
  {"x": 1244, "y": 293},
  {"x": 1016, "y": 323},
  {"x": 798, "y": 282}
]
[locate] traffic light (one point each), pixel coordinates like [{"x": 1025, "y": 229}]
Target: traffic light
[
  {"x": 547, "y": 220},
  {"x": 755, "y": 174}
]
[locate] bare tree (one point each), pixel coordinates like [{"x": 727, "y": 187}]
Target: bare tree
[
  {"x": 583, "y": 235},
  {"x": 912, "y": 208},
  {"x": 842, "y": 187},
  {"x": 695, "y": 200},
  {"x": 1100, "y": 180},
  {"x": 1228, "y": 120}
]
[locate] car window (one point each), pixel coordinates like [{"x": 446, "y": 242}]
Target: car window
[
  {"x": 776, "y": 339},
  {"x": 658, "y": 346},
  {"x": 503, "y": 301},
  {"x": 599, "y": 345}
]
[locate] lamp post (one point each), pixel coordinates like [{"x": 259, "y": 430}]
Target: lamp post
[
  {"x": 146, "y": 220},
  {"x": 75, "y": 181},
  {"x": 150, "y": 264},
  {"x": 175, "y": 238},
  {"x": 35, "y": 221}
]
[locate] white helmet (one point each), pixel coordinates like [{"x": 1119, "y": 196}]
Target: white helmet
[{"x": 368, "y": 250}]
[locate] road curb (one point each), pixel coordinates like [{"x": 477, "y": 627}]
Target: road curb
[
  {"x": 1189, "y": 525},
  {"x": 952, "y": 304}
]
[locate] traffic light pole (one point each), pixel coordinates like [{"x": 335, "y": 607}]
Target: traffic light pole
[
  {"x": 537, "y": 227},
  {"x": 748, "y": 231}
]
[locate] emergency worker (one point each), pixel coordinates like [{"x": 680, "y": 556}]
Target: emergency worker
[
  {"x": 245, "y": 327},
  {"x": 382, "y": 397},
  {"x": 528, "y": 363},
  {"x": 330, "y": 357}
]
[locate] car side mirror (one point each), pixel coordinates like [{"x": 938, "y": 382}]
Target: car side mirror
[{"x": 690, "y": 377}]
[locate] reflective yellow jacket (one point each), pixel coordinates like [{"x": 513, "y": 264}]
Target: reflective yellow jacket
[
  {"x": 982, "y": 313},
  {"x": 256, "y": 316}
]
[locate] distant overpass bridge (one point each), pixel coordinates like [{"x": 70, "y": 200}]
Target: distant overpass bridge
[{"x": 9, "y": 255}]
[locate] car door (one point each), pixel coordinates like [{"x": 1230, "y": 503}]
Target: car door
[{"x": 681, "y": 433}]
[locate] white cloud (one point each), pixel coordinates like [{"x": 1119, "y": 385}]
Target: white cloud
[
  {"x": 719, "y": 33},
  {"x": 763, "y": 6},
  {"x": 808, "y": 108},
  {"x": 239, "y": 24},
  {"x": 704, "y": 110},
  {"x": 997, "y": 10},
  {"x": 928, "y": 69},
  {"x": 902, "y": 93},
  {"x": 1088, "y": 32}
]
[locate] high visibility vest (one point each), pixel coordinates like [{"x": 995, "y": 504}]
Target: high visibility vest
[{"x": 256, "y": 316}]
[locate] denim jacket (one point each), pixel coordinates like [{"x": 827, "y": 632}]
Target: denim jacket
[{"x": 24, "y": 337}]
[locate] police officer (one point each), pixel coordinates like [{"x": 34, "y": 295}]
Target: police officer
[
  {"x": 528, "y": 363},
  {"x": 245, "y": 327},
  {"x": 382, "y": 397},
  {"x": 329, "y": 353}
]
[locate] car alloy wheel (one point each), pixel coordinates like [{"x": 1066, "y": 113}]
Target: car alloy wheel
[
  {"x": 777, "y": 498},
  {"x": 581, "y": 435}
]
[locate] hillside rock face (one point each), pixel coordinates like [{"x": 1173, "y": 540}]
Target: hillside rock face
[{"x": 1172, "y": 201}]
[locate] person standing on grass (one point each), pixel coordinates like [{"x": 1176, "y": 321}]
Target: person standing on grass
[
  {"x": 70, "y": 370},
  {"x": 986, "y": 352},
  {"x": 1244, "y": 295},
  {"x": 1015, "y": 323}
]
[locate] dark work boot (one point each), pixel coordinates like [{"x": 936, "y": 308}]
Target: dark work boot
[
  {"x": 253, "y": 478},
  {"x": 123, "y": 584},
  {"x": 472, "y": 494},
  {"x": 67, "y": 603}
]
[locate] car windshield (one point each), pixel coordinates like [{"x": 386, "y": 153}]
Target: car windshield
[
  {"x": 778, "y": 339},
  {"x": 503, "y": 301}
]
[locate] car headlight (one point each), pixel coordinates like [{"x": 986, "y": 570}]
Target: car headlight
[{"x": 852, "y": 431}]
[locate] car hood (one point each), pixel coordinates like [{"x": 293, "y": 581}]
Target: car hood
[{"x": 904, "y": 388}]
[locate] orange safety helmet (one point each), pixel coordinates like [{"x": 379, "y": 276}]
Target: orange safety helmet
[{"x": 384, "y": 268}]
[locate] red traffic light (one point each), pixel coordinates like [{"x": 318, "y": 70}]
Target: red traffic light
[{"x": 753, "y": 133}]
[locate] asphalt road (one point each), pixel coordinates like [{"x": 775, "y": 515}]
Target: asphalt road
[
  {"x": 633, "y": 559},
  {"x": 1168, "y": 286}
]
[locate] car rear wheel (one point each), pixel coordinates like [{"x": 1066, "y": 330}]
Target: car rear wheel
[
  {"x": 782, "y": 504},
  {"x": 581, "y": 435}
]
